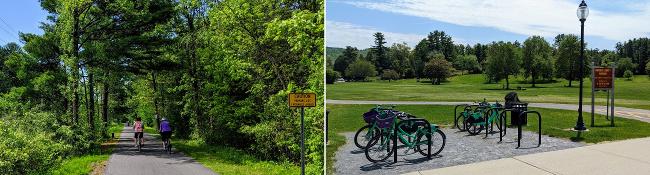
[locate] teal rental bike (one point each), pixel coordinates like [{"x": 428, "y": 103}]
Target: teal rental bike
[
  {"x": 483, "y": 116},
  {"x": 412, "y": 133},
  {"x": 367, "y": 132}
]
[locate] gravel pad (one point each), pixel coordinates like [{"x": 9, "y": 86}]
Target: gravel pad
[{"x": 460, "y": 148}]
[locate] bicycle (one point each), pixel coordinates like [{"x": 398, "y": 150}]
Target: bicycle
[
  {"x": 138, "y": 143},
  {"x": 367, "y": 132},
  {"x": 380, "y": 147},
  {"x": 483, "y": 116},
  {"x": 167, "y": 146}
]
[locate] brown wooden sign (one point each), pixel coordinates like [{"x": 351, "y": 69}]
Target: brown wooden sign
[
  {"x": 302, "y": 100},
  {"x": 603, "y": 78}
]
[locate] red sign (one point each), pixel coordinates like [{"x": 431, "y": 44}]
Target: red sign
[{"x": 603, "y": 78}]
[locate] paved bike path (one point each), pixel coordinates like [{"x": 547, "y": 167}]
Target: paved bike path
[
  {"x": 152, "y": 160},
  {"x": 631, "y": 113}
]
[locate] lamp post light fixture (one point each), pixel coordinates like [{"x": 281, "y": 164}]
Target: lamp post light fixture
[{"x": 582, "y": 14}]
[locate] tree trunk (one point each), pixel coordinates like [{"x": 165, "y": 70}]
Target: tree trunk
[
  {"x": 155, "y": 99},
  {"x": 507, "y": 82},
  {"x": 569, "y": 82},
  {"x": 105, "y": 103},
  {"x": 91, "y": 101},
  {"x": 75, "y": 67},
  {"x": 533, "y": 77}
]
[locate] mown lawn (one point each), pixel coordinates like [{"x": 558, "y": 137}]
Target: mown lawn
[
  {"x": 555, "y": 123},
  {"x": 634, "y": 94}
]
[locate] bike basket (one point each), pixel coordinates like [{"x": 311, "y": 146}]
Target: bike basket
[
  {"x": 385, "y": 122},
  {"x": 370, "y": 116}
]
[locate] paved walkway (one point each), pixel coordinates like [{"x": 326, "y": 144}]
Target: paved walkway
[
  {"x": 152, "y": 160},
  {"x": 631, "y": 113},
  {"x": 622, "y": 157}
]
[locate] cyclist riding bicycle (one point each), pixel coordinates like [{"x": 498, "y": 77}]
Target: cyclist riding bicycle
[
  {"x": 138, "y": 128},
  {"x": 165, "y": 131}
]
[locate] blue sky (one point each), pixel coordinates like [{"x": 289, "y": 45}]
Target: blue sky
[
  {"x": 483, "y": 21},
  {"x": 20, "y": 16}
]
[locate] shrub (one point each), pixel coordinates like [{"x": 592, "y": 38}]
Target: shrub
[
  {"x": 31, "y": 143},
  {"x": 389, "y": 75},
  {"x": 628, "y": 74},
  {"x": 331, "y": 76},
  {"x": 360, "y": 70}
]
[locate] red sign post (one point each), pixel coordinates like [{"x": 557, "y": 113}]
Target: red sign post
[{"x": 602, "y": 79}]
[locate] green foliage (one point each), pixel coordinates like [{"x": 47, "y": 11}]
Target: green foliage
[
  {"x": 537, "y": 59},
  {"x": 379, "y": 53},
  {"x": 32, "y": 143},
  {"x": 435, "y": 42},
  {"x": 638, "y": 49},
  {"x": 389, "y": 75},
  {"x": 567, "y": 58},
  {"x": 402, "y": 62},
  {"x": 438, "y": 69},
  {"x": 628, "y": 74},
  {"x": 624, "y": 65},
  {"x": 647, "y": 68},
  {"x": 331, "y": 76},
  {"x": 503, "y": 60},
  {"x": 360, "y": 70},
  {"x": 349, "y": 55},
  {"x": 468, "y": 63}
]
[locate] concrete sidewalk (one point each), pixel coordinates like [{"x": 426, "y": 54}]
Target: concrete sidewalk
[{"x": 622, "y": 157}]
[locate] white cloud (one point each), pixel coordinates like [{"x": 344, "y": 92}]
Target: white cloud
[
  {"x": 527, "y": 17},
  {"x": 341, "y": 34}
]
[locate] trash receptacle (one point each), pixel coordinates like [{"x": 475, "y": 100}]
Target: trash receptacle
[{"x": 517, "y": 107}]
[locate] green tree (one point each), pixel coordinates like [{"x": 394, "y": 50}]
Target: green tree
[
  {"x": 625, "y": 64},
  {"x": 360, "y": 70},
  {"x": 388, "y": 74},
  {"x": 567, "y": 63},
  {"x": 537, "y": 59},
  {"x": 379, "y": 53},
  {"x": 400, "y": 55},
  {"x": 438, "y": 69},
  {"x": 350, "y": 55},
  {"x": 468, "y": 63},
  {"x": 331, "y": 76},
  {"x": 647, "y": 68},
  {"x": 503, "y": 61}
]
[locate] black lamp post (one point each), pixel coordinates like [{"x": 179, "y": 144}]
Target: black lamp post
[{"x": 582, "y": 14}]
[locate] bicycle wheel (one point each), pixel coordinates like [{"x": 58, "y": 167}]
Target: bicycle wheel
[
  {"x": 437, "y": 143},
  {"x": 460, "y": 120},
  {"x": 473, "y": 129},
  {"x": 379, "y": 149},
  {"x": 364, "y": 135}
]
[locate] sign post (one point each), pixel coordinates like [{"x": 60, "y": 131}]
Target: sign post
[
  {"x": 602, "y": 78},
  {"x": 302, "y": 100}
]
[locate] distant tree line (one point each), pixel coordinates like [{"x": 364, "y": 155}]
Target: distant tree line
[{"x": 436, "y": 58}]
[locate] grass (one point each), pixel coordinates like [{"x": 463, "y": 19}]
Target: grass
[
  {"x": 347, "y": 118},
  {"x": 85, "y": 164},
  {"x": 634, "y": 94},
  {"x": 231, "y": 161}
]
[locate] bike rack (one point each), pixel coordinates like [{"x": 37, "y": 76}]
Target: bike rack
[
  {"x": 487, "y": 113},
  {"x": 395, "y": 137},
  {"x": 456, "y": 112},
  {"x": 539, "y": 132}
]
